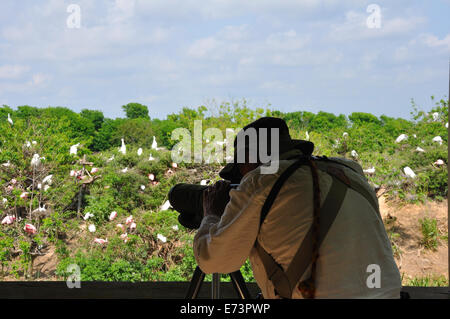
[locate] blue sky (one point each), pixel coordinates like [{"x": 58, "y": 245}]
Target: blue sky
[{"x": 314, "y": 55}]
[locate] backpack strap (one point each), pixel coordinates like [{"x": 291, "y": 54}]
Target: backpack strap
[{"x": 284, "y": 281}]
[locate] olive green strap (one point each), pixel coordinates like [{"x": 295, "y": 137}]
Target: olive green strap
[{"x": 284, "y": 282}]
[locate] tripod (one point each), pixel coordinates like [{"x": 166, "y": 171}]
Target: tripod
[{"x": 199, "y": 276}]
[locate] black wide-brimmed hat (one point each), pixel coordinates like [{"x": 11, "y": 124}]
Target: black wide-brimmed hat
[{"x": 286, "y": 143}]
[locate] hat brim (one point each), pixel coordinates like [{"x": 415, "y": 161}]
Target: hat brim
[{"x": 231, "y": 171}]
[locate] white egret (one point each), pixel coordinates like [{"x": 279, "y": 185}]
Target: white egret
[
  {"x": 139, "y": 152},
  {"x": 48, "y": 180},
  {"x": 161, "y": 238},
  {"x": 74, "y": 149},
  {"x": 409, "y": 172},
  {"x": 419, "y": 149},
  {"x": 354, "y": 154},
  {"x": 154, "y": 144},
  {"x": 87, "y": 216},
  {"x": 438, "y": 139},
  {"x": 369, "y": 171},
  {"x": 92, "y": 228},
  {"x": 165, "y": 206},
  {"x": 435, "y": 116},
  {"x": 401, "y": 138},
  {"x": 439, "y": 162},
  {"x": 10, "y": 120},
  {"x": 123, "y": 148}
]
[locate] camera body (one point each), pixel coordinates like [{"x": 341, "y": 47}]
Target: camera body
[{"x": 187, "y": 199}]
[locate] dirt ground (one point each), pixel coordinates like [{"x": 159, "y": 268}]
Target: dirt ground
[{"x": 414, "y": 260}]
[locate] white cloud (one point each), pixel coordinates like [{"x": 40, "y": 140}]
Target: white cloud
[
  {"x": 354, "y": 27},
  {"x": 434, "y": 42},
  {"x": 12, "y": 71}
]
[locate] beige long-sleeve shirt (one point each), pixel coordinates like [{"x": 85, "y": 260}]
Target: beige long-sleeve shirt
[{"x": 356, "y": 241}]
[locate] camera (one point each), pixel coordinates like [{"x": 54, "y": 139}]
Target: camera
[{"x": 187, "y": 199}]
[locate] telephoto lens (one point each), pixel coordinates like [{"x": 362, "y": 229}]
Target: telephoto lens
[{"x": 187, "y": 199}]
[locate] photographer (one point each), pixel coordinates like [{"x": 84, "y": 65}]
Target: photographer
[{"x": 350, "y": 257}]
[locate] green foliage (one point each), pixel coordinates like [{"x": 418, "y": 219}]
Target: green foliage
[
  {"x": 430, "y": 233},
  {"x": 144, "y": 256},
  {"x": 135, "y": 111},
  {"x": 428, "y": 281}
]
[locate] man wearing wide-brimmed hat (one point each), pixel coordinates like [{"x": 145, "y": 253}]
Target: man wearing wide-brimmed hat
[{"x": 311, "y": 228}]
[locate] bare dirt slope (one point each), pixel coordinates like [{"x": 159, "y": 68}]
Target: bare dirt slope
[{"x": 413, "y": 260}]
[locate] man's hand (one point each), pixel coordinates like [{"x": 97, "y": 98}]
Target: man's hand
[{"x": 215, "y": 198}]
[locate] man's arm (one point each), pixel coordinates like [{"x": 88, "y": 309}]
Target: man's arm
[{"x": 222, "y": 244}]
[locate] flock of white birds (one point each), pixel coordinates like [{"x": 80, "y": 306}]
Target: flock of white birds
[{"x": 47, "y": 181}]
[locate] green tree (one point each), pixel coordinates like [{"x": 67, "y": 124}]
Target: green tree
[
  {"x": 136, "y": 110},
  {"x": 94, "y": 116}
]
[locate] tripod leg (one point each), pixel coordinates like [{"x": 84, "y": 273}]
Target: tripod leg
[
  {"x": 196, "y": 283},
  {"x": 239, "y": 285},
  {"x": 215, "y": 286}
]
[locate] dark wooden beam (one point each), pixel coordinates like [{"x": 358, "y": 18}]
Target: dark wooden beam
[{"x": 151, "y": 290}]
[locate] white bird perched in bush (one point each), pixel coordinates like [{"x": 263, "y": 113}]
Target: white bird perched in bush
[
  {"x": 204, "y": 182},
  {"x": 48, "y": 180},
  {"x": 419, "y": 149},
  {"x": 139, "y": 151},
  {"x": 175, "y": 227},
  {"x": 10, "y": 120},
  {"x": 161, "y": 238},
  {"x": 154, "y": 144},
  {"x": 151, "y": 158},
  {"x": 7, "y": 164},
  {"x": 369, "y": 171},
  {"x": 74, "y": 149},
  {"x": 446, "y": 125},
  {"x": 439, "y": 162},
  {"x": 113, "y": 215},
  {"x": 46, "y": 187},
  {"x": 409, "y": 172},
  {"x": 165, "y": 206},
  {"x": 401, "y": 138},
  {"x": 87, "y": 216},
  {"x": 125, "y": 170},
  {"x": 92, "y": 228},
  {"x": 151, "y": 177},
  {"x": 354, "y": 154},
  {"x": 27, "y": 144},
  {"x": 123, "y": 148},
  {"x": 4, "y": 200},
  {"x": 345, "y": 135},
  {"x": 307, "y": 136},
  {"x": 438, "y": 139},
  {"x": 435, "y": 116},
  {"x": 143, "y": 187},
  {"x": 36, "y": 160},
  {"x": 40, "y": 209},
  {"x": 110, "y": 159}
]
